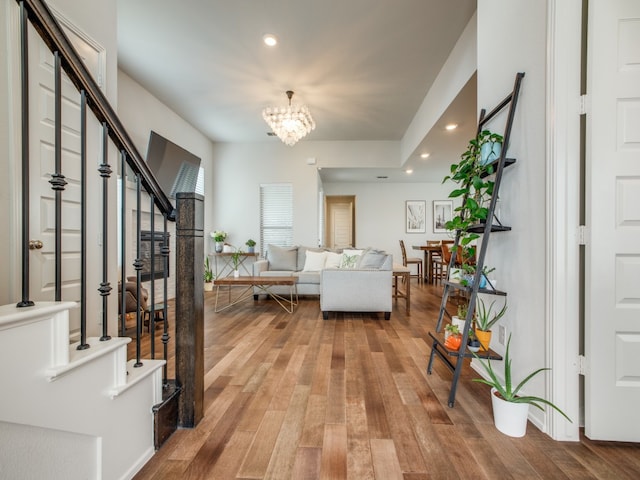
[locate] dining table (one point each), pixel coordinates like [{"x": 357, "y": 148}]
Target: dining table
[{"x": 429, "y": 249}]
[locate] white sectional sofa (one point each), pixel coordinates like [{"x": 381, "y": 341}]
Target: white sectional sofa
[{"x": 350, "y": 281}]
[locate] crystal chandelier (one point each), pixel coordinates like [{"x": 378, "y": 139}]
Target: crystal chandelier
[{"x": 290, "y": 123}]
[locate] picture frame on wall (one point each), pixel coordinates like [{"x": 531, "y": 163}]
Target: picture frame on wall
[
  {"x": 416, "y": 216},
  {"x": 442, "y": 213}
]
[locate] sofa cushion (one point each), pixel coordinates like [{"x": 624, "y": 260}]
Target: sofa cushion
[
  {"x": 307, "y": 277},
  {"x": 276, "y": 273},
  {"x": 333, "y": 260},
  {"x": 302, "y": 256},
  {"x": 372, "y": 259},
  {"x": 349, "y": 260},
  {"x": 282, "y": 258},
  {"x": 315, "y": 261}
]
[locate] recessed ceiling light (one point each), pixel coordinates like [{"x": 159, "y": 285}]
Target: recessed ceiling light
[
  {"x": 424, "y": 155},
  {"x": 451, "y": 126},
  {"x": 270, "y": 40},
  {"x": 409, "y": 171}
]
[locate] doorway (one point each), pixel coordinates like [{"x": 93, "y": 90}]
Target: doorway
[{"x": 340, "y": 221}]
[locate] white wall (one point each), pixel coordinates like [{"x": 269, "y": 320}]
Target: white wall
[
  {"x": 512, "y": 38},
  {"x": 380, "y": 213},
  {"x": 141, "y": 112},
  {"x": 233, "y": 204}
]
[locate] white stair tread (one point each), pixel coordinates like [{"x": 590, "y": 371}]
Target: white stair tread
[
  {"x": 78, "y": 358},
  {"x": 136, "y": 374}
]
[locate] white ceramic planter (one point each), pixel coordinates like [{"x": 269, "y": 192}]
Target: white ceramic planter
[
  {"x": 510, "y": 418},
  {"x": 208, "y": 286},
  {"x": 459, "y": 322}
]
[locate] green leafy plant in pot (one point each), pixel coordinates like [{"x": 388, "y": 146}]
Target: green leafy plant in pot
[
  {"x": 208, "y": 275},
  {"x": 510, "y": 410},
  {"x": 236, "y": 260},
  {"x": 251, "y": 245},
  {"x": 475, "y": 189},
  {"x": 485, "y": 319}
]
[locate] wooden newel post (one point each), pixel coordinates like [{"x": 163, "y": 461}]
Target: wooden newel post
[{"x": 190, "y": 307}]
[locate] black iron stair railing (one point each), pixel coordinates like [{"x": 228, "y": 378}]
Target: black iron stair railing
[{"x": 67, "y": 60}]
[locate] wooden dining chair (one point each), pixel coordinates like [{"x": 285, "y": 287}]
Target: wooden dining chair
[
  {"x": 436, "y": 259},
  {"x": 406, "y": 261}
]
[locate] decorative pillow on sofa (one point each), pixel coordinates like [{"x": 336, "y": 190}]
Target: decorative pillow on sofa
[
  {"x": 372, "y": 259},
  {"x": 302, "y": 255},
  {"x": 282, "y": 258},
  {"x": 350, "y": 258},
  {"x": 315, "y": 261},
  {"x": 333, "y": 260}
]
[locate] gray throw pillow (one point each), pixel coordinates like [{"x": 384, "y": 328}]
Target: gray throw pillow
[
  {"x": 282, "y": 258},
  {"x": 372, "y": 259}
]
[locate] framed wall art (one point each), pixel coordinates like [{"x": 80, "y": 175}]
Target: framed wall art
[
  {"x": 416, "y": 216},
  {"x": 442, "y": 213}
]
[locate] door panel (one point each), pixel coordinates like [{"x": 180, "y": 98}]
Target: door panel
[
  {"x": 612, "y": 347},
  {"x": 42, "y": 166},
  {"x": 340, "y": 222}
]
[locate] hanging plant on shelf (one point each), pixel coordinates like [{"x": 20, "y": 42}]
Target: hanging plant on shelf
[{"x": 475, "y": 188}]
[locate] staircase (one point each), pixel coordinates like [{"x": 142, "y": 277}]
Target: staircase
[
  {"x": 68, "y": 413},
  {"x": 79, "y": 409}
]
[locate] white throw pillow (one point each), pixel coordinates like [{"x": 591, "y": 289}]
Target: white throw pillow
[
  {"x": 315, "y": 261},
  {"x": 333, "y": 260}
]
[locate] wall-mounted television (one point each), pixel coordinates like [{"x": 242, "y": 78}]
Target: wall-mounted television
[{"x": 175, "y": 168}]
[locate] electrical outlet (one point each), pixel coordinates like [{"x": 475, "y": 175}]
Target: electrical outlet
[{"x": 502, "y": 333}]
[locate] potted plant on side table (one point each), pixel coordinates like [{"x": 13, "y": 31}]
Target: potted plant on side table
[
  {"x": 510, "y": 410},
  {"x": 208, "y": 276},
  {"x": 235, "y": 259},
  {"x": 251, "y": 245},
  {"x": 219, "y": 237}
]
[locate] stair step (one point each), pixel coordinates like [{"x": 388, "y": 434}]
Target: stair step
[
  {"x": 78, "y": 358},
  {"x": 136, "y": 375}
]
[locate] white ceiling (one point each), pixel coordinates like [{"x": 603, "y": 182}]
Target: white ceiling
[{"x": 362, "y": 67}]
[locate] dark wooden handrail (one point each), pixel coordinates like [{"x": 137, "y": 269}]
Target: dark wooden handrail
[{"x": 44, "y": 22}]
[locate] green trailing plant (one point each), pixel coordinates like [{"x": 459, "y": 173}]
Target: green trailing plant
[
  {"x": 475, "y": 188},
  {"x": 485, "y": 317},
  {"x": 506, "y": 390},
  {"x": 208, "y": 273}
]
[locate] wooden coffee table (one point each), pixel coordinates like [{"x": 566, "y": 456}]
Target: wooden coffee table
[{"x": 262, "y": 283}]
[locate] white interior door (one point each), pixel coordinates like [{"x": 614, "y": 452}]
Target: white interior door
[
  {"x": 42, "y": 166},
  {"x": 612, "y": 342},
  {"x": 340, "y": 223}
]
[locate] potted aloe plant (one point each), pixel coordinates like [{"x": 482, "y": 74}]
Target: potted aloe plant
[
  {"x": 511, "y": 410},
  {"x": 485, "y": 319}
]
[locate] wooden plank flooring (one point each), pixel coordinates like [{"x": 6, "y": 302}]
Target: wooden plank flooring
[{"x": 291, "y": 396}]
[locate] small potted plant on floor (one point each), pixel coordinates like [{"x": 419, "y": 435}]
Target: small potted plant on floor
[
  {"x": 485, "y": 319},
  {"x": 208, "y": 276},
  {"x": 510, "y": 410},
  {"x": 251, "y": 245}
]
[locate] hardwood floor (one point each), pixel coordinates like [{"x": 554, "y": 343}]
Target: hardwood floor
[{"x": 291, "y": 396}]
